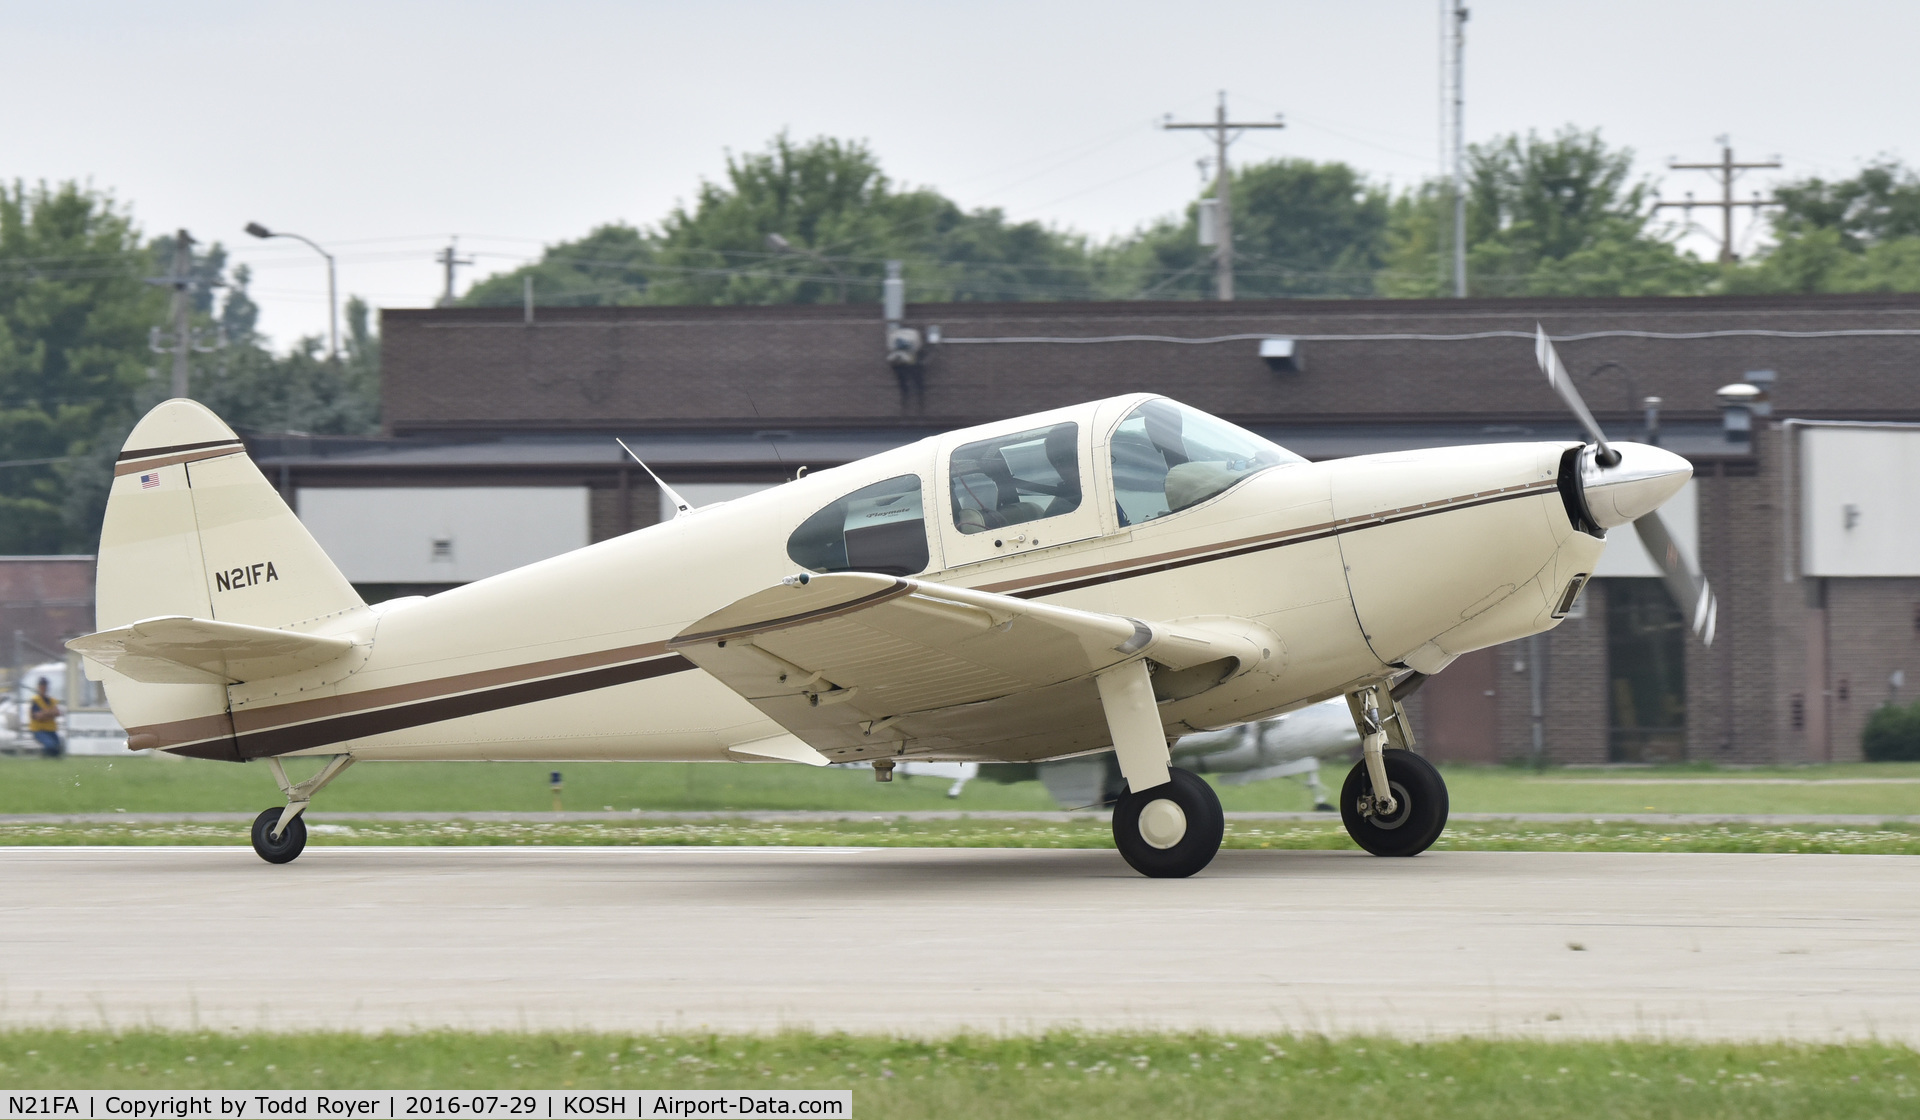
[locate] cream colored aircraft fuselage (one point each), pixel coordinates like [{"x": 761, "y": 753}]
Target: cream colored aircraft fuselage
[{"x": 1108, "y": 575}]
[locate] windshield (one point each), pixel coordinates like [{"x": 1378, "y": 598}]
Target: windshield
[{"x": 1167, "y": 457}]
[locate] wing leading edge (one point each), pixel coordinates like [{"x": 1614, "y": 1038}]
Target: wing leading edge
[{"x": 862, "y": 666}]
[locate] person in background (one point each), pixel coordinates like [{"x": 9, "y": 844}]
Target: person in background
[{"x": 43, "y": 719}]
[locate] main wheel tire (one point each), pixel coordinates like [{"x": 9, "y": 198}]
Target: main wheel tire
[
  {"x": 1169, "y": 831},
  {"x": 287, "y": 846},
  {"x": 1420, "y": 810}
]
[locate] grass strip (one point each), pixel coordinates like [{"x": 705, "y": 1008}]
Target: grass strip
[
  {"x": 148, "y": 783},
  {"x": 1468, "y": 836},
  {"x": 1062, "y": 1074}
]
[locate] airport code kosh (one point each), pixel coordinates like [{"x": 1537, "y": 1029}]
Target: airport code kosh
[{"x": 370, "y": 1104}]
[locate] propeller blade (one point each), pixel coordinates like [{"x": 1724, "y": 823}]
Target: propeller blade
[
  {"x": 1557, "y": 376},
  {"x": 1684, "y": 582}
]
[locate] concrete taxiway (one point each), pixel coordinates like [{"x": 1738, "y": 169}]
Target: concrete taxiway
[{"x": 927, "y": 941}]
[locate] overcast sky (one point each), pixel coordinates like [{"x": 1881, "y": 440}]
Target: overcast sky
[{"x": 383, "y": 129}]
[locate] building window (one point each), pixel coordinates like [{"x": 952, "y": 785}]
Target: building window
[
  {"x": 1797, "y": 709},
  {"x": 1646, "y": 670},
  {"x": 1006, "y": 480},
  {"x": 879, "y": 528}
]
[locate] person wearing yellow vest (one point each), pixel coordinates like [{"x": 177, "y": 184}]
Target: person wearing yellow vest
[{"x": 43, "y": 719}]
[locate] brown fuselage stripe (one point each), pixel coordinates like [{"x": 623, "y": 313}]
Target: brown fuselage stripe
[
  {"x": 247, "y": 720},
  {"x": 260, "y": 732},
  {"x": 1062, "y": 582},
  {"x": 150, "y": 452},
  {"x": 319, "y": 733},
  {"x": 135, "y": 466},
  {"x": 900, "y": 587}
]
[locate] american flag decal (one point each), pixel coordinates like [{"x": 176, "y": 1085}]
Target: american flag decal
[{"x": 149, "y": 481}]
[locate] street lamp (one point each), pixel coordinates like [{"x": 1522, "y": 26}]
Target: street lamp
[
  {"x": 780, "y": 244},
  {"x": 333, "y": 298}
]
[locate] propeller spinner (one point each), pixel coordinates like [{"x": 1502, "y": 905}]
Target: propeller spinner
[{"x": 1628, "y": 482}]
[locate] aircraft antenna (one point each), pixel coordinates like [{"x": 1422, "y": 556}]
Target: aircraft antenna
[{"x": 681, "y": 507}]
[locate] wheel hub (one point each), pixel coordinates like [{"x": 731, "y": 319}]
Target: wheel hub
[
  {"x": 1162, "y": 823},
  {"x": 1402, "y": 808}
]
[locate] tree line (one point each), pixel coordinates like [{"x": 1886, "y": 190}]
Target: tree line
[
  {"x": 815, "y": 222},
  {"x": 1559, "y": 215}
]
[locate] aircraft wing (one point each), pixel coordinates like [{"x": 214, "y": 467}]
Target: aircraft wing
[
  {"x": 861, "y": 666},
  {"x": 176, "y": 649}
]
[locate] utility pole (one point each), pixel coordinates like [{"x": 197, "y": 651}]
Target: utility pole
[
  {"x": 1223, "y": 189},
  {"x": 180, "y": 279},
  {"x": 182, "y": 307},
  {"x": 450, "y": 259},
  {"x": 1457, "y": 74},
  {"x": 1726, "y": 170}
]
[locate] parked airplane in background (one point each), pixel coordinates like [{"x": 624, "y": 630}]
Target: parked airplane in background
[
  {"x": 1289, "y": 745},
  {"x": 1109, "y": 575}
]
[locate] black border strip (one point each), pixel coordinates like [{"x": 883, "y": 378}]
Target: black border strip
[{"x": 150, "y": 452}]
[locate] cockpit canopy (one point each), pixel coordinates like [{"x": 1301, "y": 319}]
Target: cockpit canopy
[
  {"x": 1167, "y": 457},
  {"x": 1047, "y": 479}
]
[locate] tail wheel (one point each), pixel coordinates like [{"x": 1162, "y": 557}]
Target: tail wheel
[
  {"x": 1419, "y": 812},
  {"x": 1172, "y": 830},
  {"x": 283, "y": 848}
]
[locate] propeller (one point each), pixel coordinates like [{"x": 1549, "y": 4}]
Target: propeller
[{"x": 1684, "y": 581}]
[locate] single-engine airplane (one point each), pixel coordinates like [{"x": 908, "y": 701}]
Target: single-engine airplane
[{"x": 1106, "y": 576}]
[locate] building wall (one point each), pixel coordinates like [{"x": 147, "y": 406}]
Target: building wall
[
  {"x": 1873, "y": 629},
  {"x": 758, "y": 367},
  {"x": 46, "y": 599}
]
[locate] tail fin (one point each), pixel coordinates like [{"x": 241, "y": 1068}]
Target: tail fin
[{"x": 193, "y": 528}]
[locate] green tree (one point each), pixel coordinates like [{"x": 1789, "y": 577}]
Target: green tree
[
  {"x": 1556, "y": 215},
  {"x": 610, "y": 265},
  {"x": 1851, "y": 235},
  {"x": 74, "y": 316},
  {"x": 1300, "y": 228}
]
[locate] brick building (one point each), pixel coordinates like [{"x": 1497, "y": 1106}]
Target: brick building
[{"x": 508, "y": 415}]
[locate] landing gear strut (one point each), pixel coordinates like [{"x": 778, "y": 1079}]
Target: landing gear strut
[
  {"x": 279, "y": 835},
  {"x": 1168, "y": 824},
  {"x": 1394, "y": 803}
]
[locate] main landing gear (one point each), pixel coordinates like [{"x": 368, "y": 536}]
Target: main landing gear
[
  {"x": 1168, "y": 824},
  {"x": 1171, "y": 830},
  {"x": 1394, "y": 803},
  {"x": 279, "y": 835}
]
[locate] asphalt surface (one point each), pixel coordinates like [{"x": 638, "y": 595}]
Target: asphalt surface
[{"x": 927, "y": 941}]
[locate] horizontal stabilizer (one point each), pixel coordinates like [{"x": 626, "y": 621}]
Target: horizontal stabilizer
[{"x": 175, "y": 649}]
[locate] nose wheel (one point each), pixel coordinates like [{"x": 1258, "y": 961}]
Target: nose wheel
[
  {"x": 1415, "y": 819},
  {"x": 1172, "y": 830}
]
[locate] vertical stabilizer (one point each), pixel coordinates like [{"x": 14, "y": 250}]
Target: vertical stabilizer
[{"x": 193, "y": 528}]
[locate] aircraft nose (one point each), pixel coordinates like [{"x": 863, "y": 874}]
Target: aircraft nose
[{"x": 1641, "y": 482}]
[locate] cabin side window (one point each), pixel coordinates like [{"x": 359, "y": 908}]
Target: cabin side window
[
  {"x": 1026, "y": 476},
  {"x": 1167, "y": 457},
  {"x": 879, "y": 528}
]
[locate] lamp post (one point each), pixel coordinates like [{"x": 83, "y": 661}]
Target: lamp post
[
  {"x": 333, "y": 298},
  {"x": 780, "y": 244}
]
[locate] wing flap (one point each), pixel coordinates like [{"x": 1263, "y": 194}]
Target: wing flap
[{"x": 176, "y": 649}]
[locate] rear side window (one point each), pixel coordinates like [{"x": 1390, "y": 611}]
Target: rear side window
[
  {"x": 880, "y": 528},
  {"x": 1021, "y": 477}
]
